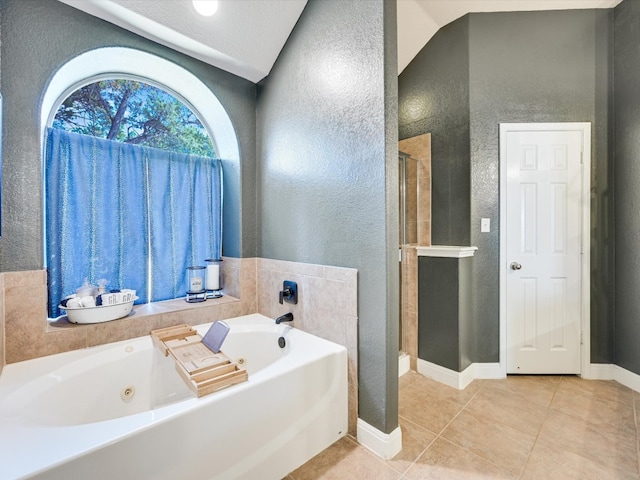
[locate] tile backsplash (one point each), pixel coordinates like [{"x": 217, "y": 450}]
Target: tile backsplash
[
  {"x": 327, "y": 307},
  {"x": 28, "y": 333}
]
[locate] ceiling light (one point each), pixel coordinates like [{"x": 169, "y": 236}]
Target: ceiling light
[{"x": 205, "y": 7}]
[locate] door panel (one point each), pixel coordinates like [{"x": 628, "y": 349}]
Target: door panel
[{"x": 543, "y": 239}]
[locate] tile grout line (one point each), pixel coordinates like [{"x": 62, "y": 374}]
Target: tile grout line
[
  {"x": 402, "y": 475},
  {"x": 373, "y": 455},
  {"x": 475, "y": 454},
  {"x": 535, "y": 442},
  {"x": 439, "y": 435},
  {"x": 589, "y": 420},
  {"x": 462, "y": 409}
]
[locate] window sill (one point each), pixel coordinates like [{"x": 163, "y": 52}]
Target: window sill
[
  {"x": 144, "y": 318},
  {"x": 149, "y": 310}
]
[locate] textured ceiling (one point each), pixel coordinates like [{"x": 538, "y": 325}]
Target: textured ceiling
[{"x": 245, "y": 37}]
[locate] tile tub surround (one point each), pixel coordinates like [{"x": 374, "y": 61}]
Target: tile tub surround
[
  {"x": 28, "y": 334},
  {"x": 327, "y": 307}
]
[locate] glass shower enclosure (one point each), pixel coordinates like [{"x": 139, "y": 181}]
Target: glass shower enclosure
[{"x": 408, "y": 205}]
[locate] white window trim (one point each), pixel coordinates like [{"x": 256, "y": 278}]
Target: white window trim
[
  {"x": 113, "y": 62},
  {"x": 120, "y": 62}
]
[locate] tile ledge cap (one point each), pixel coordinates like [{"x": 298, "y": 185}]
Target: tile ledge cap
[
  {"x": 448, "y": 251},
  {"x": 144, "y": 310}
]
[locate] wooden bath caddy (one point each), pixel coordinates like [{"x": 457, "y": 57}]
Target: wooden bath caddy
[{"x": 202, "y": 370}]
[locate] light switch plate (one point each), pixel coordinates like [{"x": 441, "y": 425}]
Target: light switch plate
[{"x": 485, "y": 225}]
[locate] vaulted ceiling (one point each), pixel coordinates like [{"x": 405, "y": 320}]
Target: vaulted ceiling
[{"x": 245, "y": 37}]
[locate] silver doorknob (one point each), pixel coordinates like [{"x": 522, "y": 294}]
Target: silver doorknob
[{"x": 515, "y": 266}]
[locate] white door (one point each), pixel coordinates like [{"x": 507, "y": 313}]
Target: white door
[{"x": 544, "y": 202}]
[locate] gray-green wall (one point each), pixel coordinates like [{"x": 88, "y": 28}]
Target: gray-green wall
[
  {"x": 328, "y": 150},
  {"x": 627, "y": 184},
  {"x": 444, "y": 311},
  {"x": 327, "y": 144},
  {"x": 38, "y": 37},
  {"x": 434, "y": 97},
  {"x": 522, "y": 67}
]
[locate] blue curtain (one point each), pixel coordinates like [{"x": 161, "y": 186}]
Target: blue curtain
[
  {"x": 135, "y": 216},
  {"x": 185, "y": 220}
]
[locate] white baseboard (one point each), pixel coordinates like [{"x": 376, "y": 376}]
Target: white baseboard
[
  {"x": 626, "y": 378},
  {"x": 440, "y": 374},
  {"x": 404, "y": 364},
  {"x": 385, "y": 445},
  {"x": 459, "y": 380},
  {"x": 599, "y": 371},
  {"x": 488, "y": 370},
  {"x": 609, "y": 371}
]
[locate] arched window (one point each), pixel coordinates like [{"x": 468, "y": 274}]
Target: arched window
[
  {"x": 134, "y": 215},
  {"x": 134, "y": 112}
]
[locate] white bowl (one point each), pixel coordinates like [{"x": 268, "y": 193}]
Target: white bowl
[{"x": 103, "y": 313}]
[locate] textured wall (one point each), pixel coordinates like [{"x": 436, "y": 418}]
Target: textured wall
[
  {"x": 522, "y": 67},
  {"x": 438, "y": 311},
  {"x": 37, "y": 38},
  {"x": 327, "y": 143},
  {"x": 444, "y": 311},
  {"x": 434, "y": 97},
  {"x": 2, "y": 325},
  {"x": 536, "y": 67},
  {"x": 627, "y": 180}
]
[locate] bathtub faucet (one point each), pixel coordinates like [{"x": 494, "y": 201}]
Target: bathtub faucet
[{"x": 287, "y": 317}]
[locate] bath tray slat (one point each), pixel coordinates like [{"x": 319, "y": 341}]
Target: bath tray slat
[{"x": 202, "y": 370}]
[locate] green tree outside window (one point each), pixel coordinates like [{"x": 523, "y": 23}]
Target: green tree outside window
[{"x": 133, "y": 112}]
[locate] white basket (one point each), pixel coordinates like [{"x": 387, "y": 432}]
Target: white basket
[{"x": 103, "y": 313}]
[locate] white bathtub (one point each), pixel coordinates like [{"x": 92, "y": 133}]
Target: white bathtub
[{"x": 68, "y": 416}]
